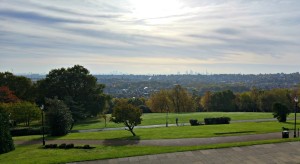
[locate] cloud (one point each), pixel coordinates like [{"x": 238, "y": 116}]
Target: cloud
[{"x": 180, "y": 34}]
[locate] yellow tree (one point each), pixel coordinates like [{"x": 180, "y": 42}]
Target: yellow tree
[
  {"x": 159, "y": 102},
  {"x": 181, "y": 100}
]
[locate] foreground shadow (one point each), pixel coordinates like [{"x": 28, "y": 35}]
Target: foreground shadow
[
  {"x": 240, "y": 132},
  {"x": 122, "y": 141}
]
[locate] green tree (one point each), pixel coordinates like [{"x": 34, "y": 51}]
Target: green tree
[
  {"x": 280, "y": 111},
  {"x": 6, "y": 141},
  {"x": 245, "y": 103},
  {"x": 77, "y": 87},
  {"x": 127, "y": 114},
  {"x": 223, "y": 101},
  {"x": 23, "y": 112},
  {"x": 58, "y": 117},
  {"x": 22, "y": 86}
]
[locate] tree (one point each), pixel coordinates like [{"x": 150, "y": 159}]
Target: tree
[
  {"x": 22, "y": 86},
  {"x": 22, "y": 112},
  {"x": 127, "y": 114},
  {"x": 245, "y": 103},
  {"x": 159, "y": 102},
  {"x": 58, "y": 117},
  {"x": 6, "y": 142},
  {"x": 206, "y": 101},
  {"x": 223, "y": 101},
  {"x": 181, "y": 99},
  {"x": 280, "y": 111},
  {"x": 77, "y": 87},
  {"x": 7, "y": 96}
]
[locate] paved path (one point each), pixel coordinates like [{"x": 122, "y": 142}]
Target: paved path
[
  {"x": 164, "y": 125},
  {"x": 164, "y": 142},
  {"x": 259, "y": 154}
]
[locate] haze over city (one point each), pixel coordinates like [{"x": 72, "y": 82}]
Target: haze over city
[{"x": 150, "y": 36}]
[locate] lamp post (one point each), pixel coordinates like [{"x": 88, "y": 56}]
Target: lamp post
[
  {"x": 43, "y": 128},
  {"x": 296, "y": 102}
]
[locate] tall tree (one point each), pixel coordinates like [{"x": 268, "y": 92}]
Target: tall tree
[
  {"x": 58, "y": 117},
  {"x": 280, "y": 111},
  {"x": 127, "y": 114},
  {"x": 181, "y": 99},
  {"x": 77, "y": 87},
  {"x": 6, "y": 141},
  {"x": 7, "y": 96},
  {"x": 22, "y": 112},
  {"x": 206, "y": 101},
  {"x": 159, "y": 102},
  {"x": 22, "y": 86}
]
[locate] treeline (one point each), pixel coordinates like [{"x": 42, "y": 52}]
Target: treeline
[
  {"x": 126, "y": 86},
  {"x": 179, "y": 100},
  {"x": 73, "y": 87}
]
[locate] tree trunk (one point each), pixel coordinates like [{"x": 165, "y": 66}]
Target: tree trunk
[{"x": 131, "y": 130}]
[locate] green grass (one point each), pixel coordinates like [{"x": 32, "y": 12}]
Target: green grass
[
  {"x": 160, "y": 118},
  {"x": 179, "y": 132},
  {"x": 34, "y": 153}
]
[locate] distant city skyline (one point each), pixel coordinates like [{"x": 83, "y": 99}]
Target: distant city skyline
[{"x": 150, "y": 36}]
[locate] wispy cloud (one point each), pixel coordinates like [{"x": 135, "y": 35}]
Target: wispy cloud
[{"x": 138, "y": 36}]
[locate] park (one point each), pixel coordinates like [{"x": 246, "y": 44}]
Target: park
[{"x": 67, "y": 117}]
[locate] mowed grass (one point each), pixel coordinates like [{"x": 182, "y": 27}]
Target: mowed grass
[
  {"x": 160, "y": 118},
  {"x": 35, "y": 154},
  {"x": 202, "y": 131}
]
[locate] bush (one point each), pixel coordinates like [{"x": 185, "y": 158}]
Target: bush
[
  {"x": 69, "y": 146},
  {"x": 58, "y": 117},
  {"x": 28, "y": 131},
  {"x": 62, "y": 146},
  {"x": 86, "y": 147},
  {"x": 194, "y": 122},
  {"x": 53, "y": 146},
  {"x": 280, "y": 111},
  {"x": 6, "y": 142},
  {"x": 217, "y": 120}
]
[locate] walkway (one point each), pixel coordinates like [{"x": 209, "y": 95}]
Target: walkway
[
  {"x": 164, "y": 125},
  {"x": 164, "y": 142},
  {"x": 269, "y": 153}
]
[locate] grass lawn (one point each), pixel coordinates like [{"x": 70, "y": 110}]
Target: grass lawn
[
  {"x": 35, "y": 154},
  {"x": 179, "y": 132},
  {"x": 160, "y": 118}
]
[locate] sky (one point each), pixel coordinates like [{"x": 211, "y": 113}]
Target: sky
[{"x": 150, "y": 36}]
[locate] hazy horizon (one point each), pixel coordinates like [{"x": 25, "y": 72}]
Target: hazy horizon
[{"x": 151, "y": 37}]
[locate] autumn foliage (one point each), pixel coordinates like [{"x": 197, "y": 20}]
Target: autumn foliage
[{"x": 7, "y": 96}]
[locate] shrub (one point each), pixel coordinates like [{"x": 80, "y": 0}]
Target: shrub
[
  {"x": 62, "y": 146},
  {"x": 217, "y": 120},
  {"x": 194, "y": 122},
  {"x": 53, "y": 146},
  {"x": 69, "y": 146},
  {"x": 280, "y": 111},
  {"x": 58, "y": 117},
  {"x": 6, "y": 142},
  {"x": 86, "y": 147},
  {"x": 28, "y": 131}
]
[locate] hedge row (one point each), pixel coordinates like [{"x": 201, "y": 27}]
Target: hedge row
[
  {"x": 28, "y": 131},
  {"x": 67, "y": 146},
  {"x": 217, "y": 120}
]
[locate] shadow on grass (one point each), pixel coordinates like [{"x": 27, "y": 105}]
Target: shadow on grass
[
  {"x": 132, "y": 140},
  {"x": 240, "y": 132}
]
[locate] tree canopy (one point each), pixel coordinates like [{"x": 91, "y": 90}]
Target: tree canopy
[
  {"x": 77, "y": 87},
  {"x": 127, "y": 114},
  {"x": 58, "y": 117}
]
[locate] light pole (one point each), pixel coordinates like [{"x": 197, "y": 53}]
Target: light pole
[
  {"x": 43, "y": 128},
  {"x": 296, "y": 103}
]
